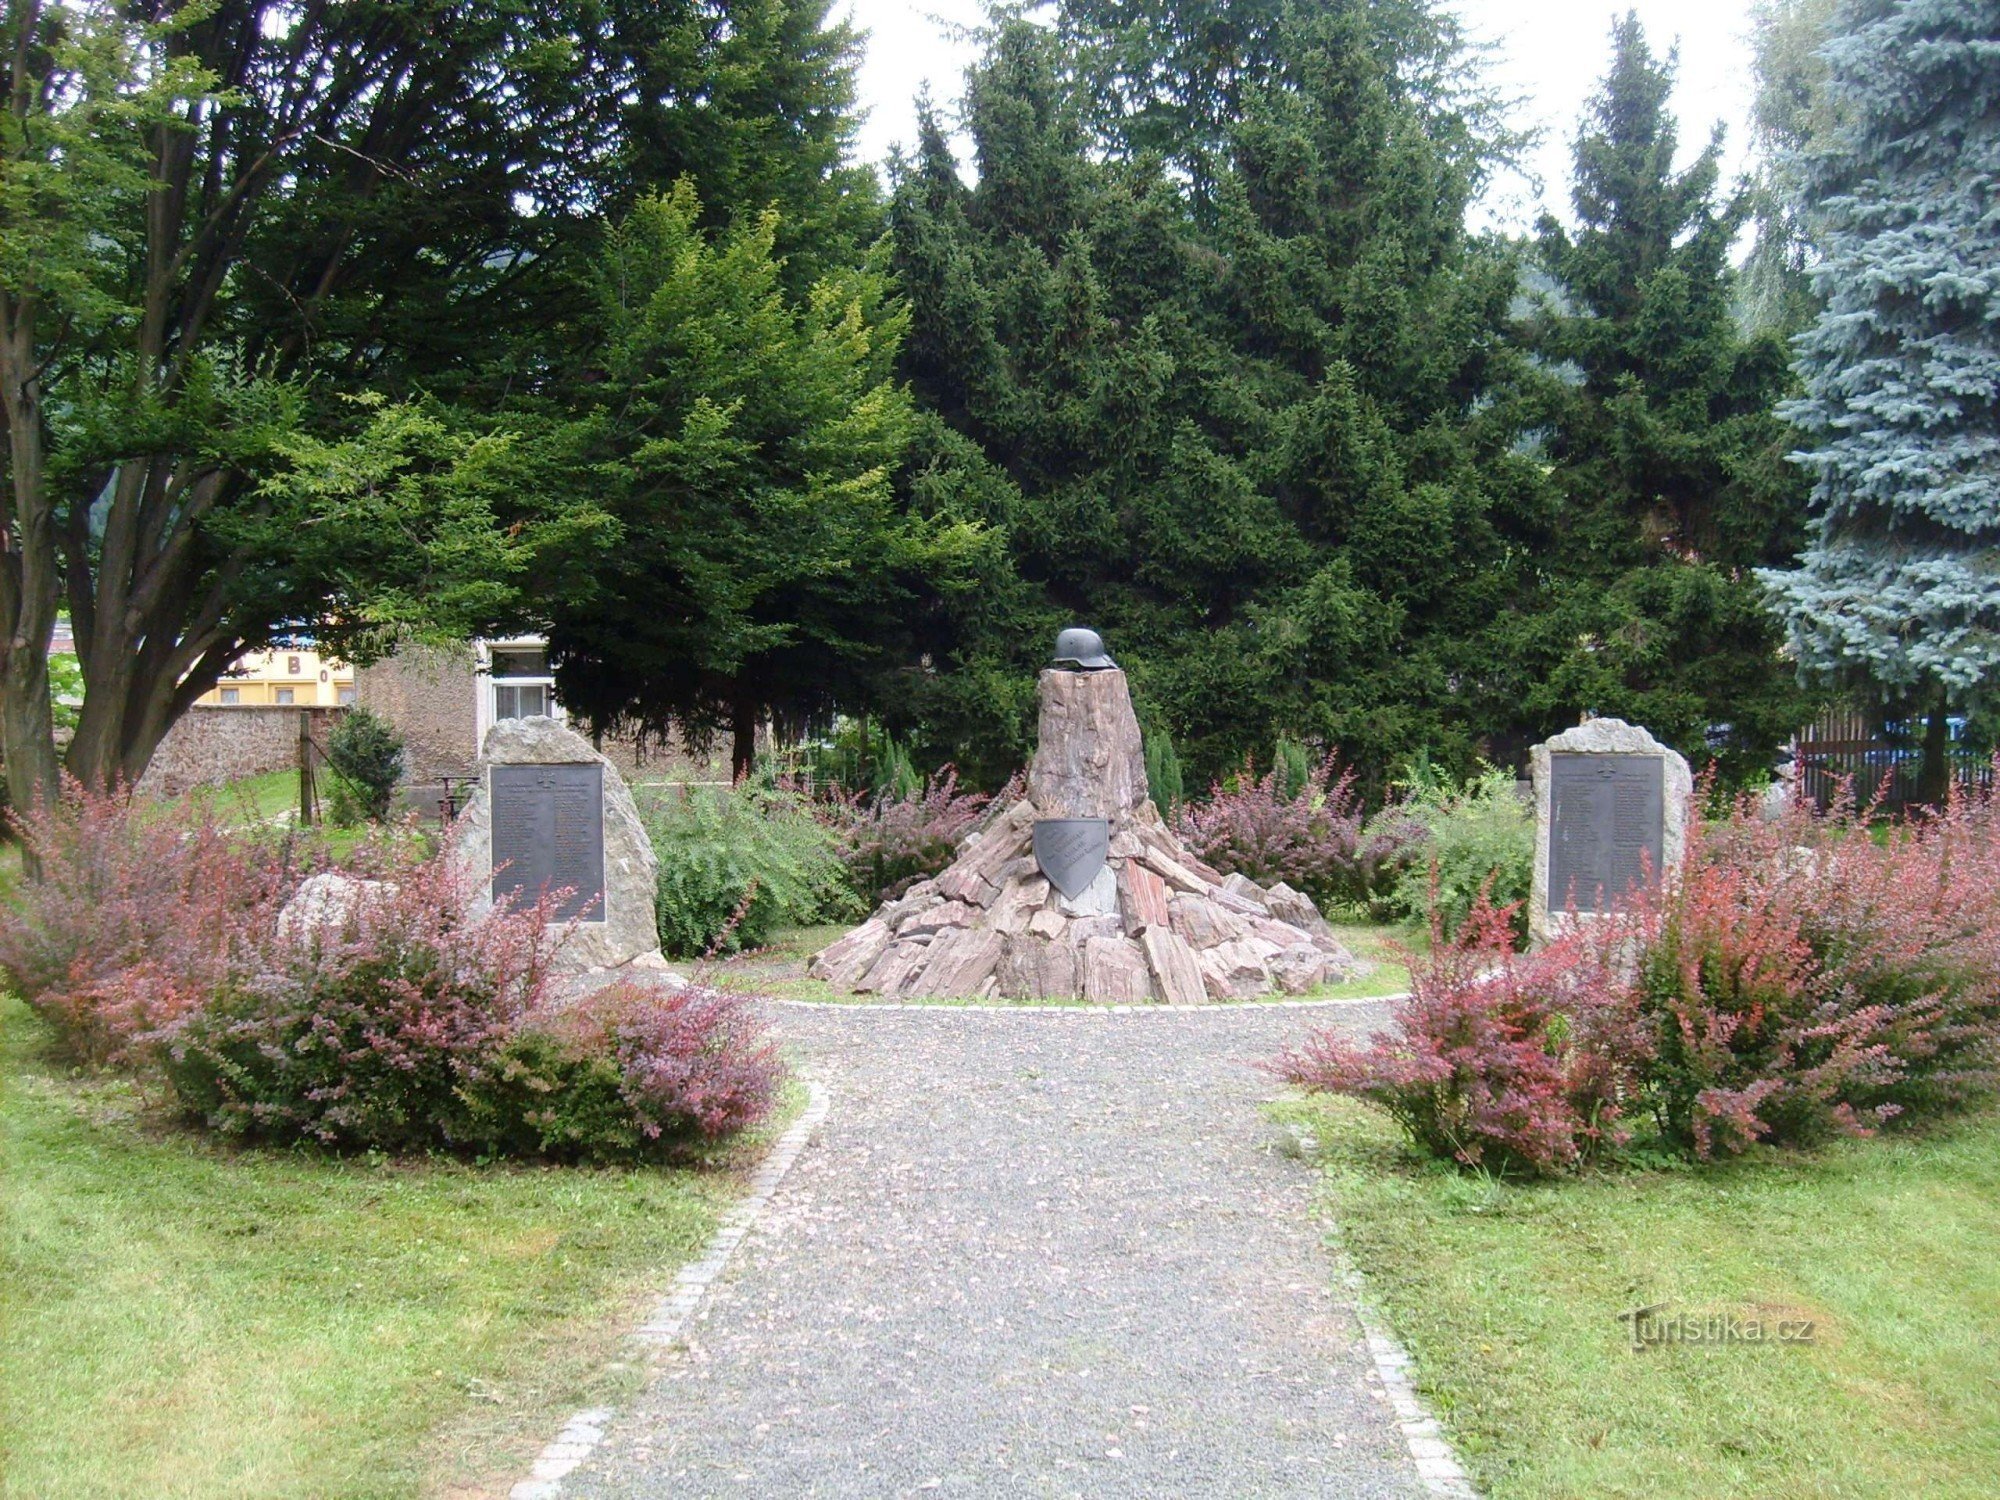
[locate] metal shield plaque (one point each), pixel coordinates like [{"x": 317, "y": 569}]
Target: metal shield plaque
[
  {"x": 548, "y": 835},
  {"x": 1607, "y": 827},
  {"x": 1071, "y": 851}
]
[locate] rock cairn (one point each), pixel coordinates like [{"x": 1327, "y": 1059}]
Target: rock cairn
[{"x": 1156, "y": 924}]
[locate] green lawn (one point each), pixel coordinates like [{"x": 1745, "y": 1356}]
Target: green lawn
[
  {"x": 269, "y": 798},
  {"x": 1508, "y": 1300},
  {"x": 182, "y": 1319}
]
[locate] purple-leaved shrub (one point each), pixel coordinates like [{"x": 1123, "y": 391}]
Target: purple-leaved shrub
[
  {"x": 1309, "y": 839},
  {"x": 140, "y": 912}
]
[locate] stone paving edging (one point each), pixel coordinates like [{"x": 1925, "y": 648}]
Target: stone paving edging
[
  {"x": 584, "y": 1431},
  {"x": 1030, "y": 1007},
  {"x": 1437, "y": 1464}
]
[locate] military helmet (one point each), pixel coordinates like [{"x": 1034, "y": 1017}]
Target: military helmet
[{"x": 1082, "y": 649}]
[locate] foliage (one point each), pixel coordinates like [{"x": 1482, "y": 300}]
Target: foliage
[
  {"x": 366, "y": 754},
  {"x": 1657, "y": 419},
  {"x": 1219, "y": 393},
  {"x": 1164, "y": 781},
  {"x": 373, "y": 1030},
  {"x": 632, "y": 1071},
  {"x": 1308, "y": 839},
  {"x": 1791, "y": 118},
  {"x": 1902, "y": 369},
  {"x": 1803, "y": 979},
  {"x": 744, "y": 438},
  {"x": 141, "y": 912},
  {"x": 893, "y": 839},
  {"x": 1499, "y": 1060},
  {"x": 1443, "y": 847},
  {"x": 1797, "y": 979},
  {"x": 736, "y": 862},
  {"x": 219, "y": 221}
]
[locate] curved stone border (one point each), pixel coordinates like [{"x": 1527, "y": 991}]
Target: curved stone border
[
  {"x": 584, "y": 1431},
  {"x": 1437, "y": 1465},
  {"x": 1025, "y": 1007}
]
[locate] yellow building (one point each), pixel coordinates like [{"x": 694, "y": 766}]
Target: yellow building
[{"x": 304, "y": 678}]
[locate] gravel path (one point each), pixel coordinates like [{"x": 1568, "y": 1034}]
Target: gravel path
[{"x": 1030, "y": 1253}]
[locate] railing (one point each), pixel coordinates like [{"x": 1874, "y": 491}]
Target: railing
[{"x": 1849, "y": 745}]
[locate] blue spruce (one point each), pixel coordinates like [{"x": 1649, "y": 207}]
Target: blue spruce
[{"x": 1899, "y": 585}]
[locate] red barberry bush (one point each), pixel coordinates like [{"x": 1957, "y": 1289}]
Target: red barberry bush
[
  {"x": 1308, "y": 838},
  {"x": 633, "y": 1071},
  {"x": 891, "y": 839},
  {"x": 373, "y": 1030},
  {"x": 139, "y": 912},
  {"x": 1806, "y": 978},
  {"x": 1498, "y": 1060}
]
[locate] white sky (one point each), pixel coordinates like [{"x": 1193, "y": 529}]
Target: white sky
[{"x": 1551, "y": 56}]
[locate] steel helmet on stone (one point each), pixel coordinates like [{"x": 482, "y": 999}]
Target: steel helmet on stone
[{"x": 1082, "y": 649}]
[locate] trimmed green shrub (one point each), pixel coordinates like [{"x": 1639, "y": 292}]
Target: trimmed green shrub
[
  {"x": 737, "y": 862},
  {"x": 366, "y": 754}
]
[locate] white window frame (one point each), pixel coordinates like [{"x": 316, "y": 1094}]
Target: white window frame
[{"x": 485, "y": 704}]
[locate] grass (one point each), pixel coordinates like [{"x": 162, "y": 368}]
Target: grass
[
  {"x": 778, "y": 969},
  {"x": 1508, "y": 1298},
  {"x": 253, "y": 800},
  {"x": 185, "y": 1319}
]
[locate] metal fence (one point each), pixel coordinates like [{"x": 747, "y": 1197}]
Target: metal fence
[{"x": 1851, "y": 745}]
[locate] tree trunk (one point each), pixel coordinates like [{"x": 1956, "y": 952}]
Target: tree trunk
[
  {"x": 743, "y": 738},
  {"x": 29, "y": 584},
  {"x": 1934, "y": 778}
]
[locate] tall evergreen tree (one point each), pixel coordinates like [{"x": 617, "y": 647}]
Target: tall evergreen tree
[
  {"x": 1662, "y": 438},
  {"x": 1899, "y": 587},
  {"x": 1237, "y": 423},
  {"x": 744, "y": 440},
  {"x": 1790, "y": 117}
]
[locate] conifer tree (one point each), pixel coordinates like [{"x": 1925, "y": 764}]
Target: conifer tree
[
  {"x": 1665, "y": 450},
  {"x": 1899, "y": 586},
  {"x": 744, "y": 440},
  {"x": 1235, "y": 423}
]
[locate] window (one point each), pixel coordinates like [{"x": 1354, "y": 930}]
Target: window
[
  {"x": 283, "y": 695},
  {"x": 346, "y": 694},
  {"x": 520, "y": 661},
  {"x": 232, "y": 696},
  {"x": 292, "y": 666},
  {"x": 519, "y": 700},
  {"x": 517, "y": 683}
]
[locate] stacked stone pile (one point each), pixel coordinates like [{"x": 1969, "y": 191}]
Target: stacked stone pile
[{"x": 1154, "y": 924}]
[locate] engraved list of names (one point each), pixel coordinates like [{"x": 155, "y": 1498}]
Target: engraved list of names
[
  {"x": 1606, "y": 827},
  {"x": 548, "y": 835}
]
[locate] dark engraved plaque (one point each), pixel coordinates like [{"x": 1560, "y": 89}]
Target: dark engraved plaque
[
  {"x": 548, "y": 834},
  {"x": 1070, "y": 851},
  {"x": 1607, "y": 827}
]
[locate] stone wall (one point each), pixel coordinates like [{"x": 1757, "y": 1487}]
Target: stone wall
[
  {"x": 430, "y": 693},
  {"x": 212, "y": 745}
]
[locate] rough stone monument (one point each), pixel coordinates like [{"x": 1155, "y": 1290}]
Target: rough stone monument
[
  {"x": 1080, "y": 890},
  {"x": 552, "y": 815},
  {"x": 1611, "y": 810}
]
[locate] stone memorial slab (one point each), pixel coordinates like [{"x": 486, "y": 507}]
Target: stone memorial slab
[
  {"x": 1611, "y": 807},
  {"x": 551, "y": 814}
]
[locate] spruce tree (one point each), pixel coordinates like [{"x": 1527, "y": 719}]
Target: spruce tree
[
  {"x": 1899, "y": 586},
  {"x": 1235, "y": 421},
  {"x": 1664, "y": 447}
]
